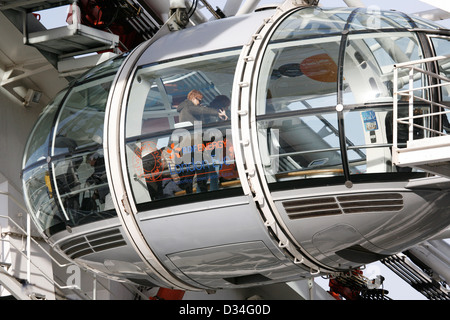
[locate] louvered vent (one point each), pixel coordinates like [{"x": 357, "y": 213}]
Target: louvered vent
[
  {"x": 341, "y": 204},
  {"x": 93, "y": 242}
]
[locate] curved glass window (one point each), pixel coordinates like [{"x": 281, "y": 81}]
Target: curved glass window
[
  {"x": 37, "y": 146},
  {"x": 103, "y": 69},
  {"x": 442, "y": 48},
  {"x": 306, "y": 72},
  {"x": 298, "y": 75},
  {"x": 40, "y": 199},
  {"x": 178, "y": 144},
  {"x": 425, "y": 24},
  {"x": 369, "y": 63},
  {"x": 295, "y": 146},
  {"x": 64, "y": 174},
  {"x": 313, "y": 21},
  {"x": 373, "y": 18},
  {"x": 80, "y": 120}
]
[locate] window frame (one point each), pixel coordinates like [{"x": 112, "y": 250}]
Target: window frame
[{"x": 137, "y": 136}]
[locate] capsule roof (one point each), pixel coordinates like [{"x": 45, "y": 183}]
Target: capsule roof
[{"x": 236, "y": 31}]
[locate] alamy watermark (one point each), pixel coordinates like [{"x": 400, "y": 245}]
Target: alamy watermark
[{"x": 74, "y": 278}]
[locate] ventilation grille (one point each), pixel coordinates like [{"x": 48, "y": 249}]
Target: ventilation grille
[
  {"x": 93, "y": 242},
  {"x": 342, "y": 204}
]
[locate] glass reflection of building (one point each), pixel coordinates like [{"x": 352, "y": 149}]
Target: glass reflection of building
[{"x": 315, "y": 60}]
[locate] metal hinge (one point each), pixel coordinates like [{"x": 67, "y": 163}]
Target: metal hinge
[{"x": 126, "y": 204}]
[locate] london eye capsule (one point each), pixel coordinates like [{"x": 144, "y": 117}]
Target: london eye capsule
[{"x": 244, "y": 151}]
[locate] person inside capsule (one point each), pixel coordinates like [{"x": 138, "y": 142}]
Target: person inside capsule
[
  {"x": 98, "y": 177},
  {"x": 190, "y": 109},
  {"x": 221, "y": 103}
]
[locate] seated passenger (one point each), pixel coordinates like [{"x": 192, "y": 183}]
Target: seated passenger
[{"x": 191, "y": 110}]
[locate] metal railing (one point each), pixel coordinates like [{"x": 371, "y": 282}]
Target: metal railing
[
  {"x": 413, "y": 71},
  {"x": 29, "y": 239}
]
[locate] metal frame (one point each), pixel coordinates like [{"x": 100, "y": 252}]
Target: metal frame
[
  {"x": 245, "y": 136},
  {"x": 411, "y": 67},
  {"x": 27, "y": 255},
  {"x": 429, "y": 152},
  {"x": 32, "y": 5},
  {"x": 85, "y": 39},
  {"x": 115, "y": 153}
]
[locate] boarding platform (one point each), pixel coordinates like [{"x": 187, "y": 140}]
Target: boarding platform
[{"x": 428, "y": 143}]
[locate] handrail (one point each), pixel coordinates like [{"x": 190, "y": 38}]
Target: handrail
[
  {"x": 409, "y": 120},
  {"x": 35, "y": 242},
  {"x": 27, "y": 233},
  {"x": 49, "y": 279},
  {"x": 28, "y": 254},
  {"x": 310, "y": 172}
]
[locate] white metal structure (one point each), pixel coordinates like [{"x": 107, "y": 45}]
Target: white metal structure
[{"x": 431, "y": 154}]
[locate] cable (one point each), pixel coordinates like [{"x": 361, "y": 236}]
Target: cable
[{"x": 192, "y": 8}]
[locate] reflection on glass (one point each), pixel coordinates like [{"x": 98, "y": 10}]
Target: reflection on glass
[
  {"x": 39, "y": 194},
  {"x": 442, "y": 48},
  {"x": 294, "y": 146},
  {"x": 302, "y": 71},
  {"x": 82, "y": 186},
  {"x": 104, "y": 69},
  {"x": 311, "y": 22},
  {"x": 37, "y": 146},
  {"x": 80, "y": 122},
  {"x": 72, "y": 192},
  {"x": 367, "y": 140},
  {"x": 168, "y": 156},
  {"x": 300, "y": 74},
  {"x": 424, "y": 23},
  {"x": 375, "y": 19},
  {"x": 182, "y": 163},
  {"x": 369, "y": 63},
  {"x": 68, "y": 187},
  {"x": 158, "y": 90}
]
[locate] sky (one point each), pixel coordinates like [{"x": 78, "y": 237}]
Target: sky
[{"x": 398, "y": 289}]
